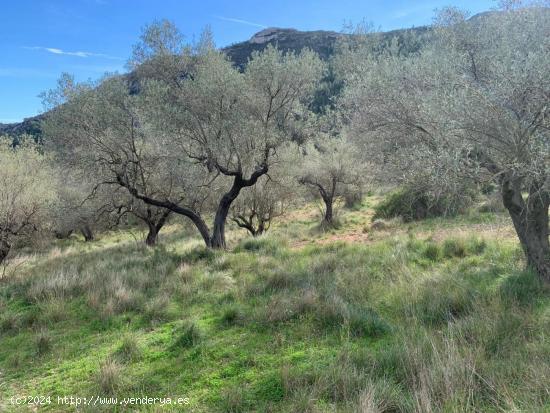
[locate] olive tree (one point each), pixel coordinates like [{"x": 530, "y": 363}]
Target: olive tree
[
  {"x": 97, "y": 134},
  {"x": 331, "y": 169},
  {"x": 259, "y": 205},
  {"x": 477, "y": 95},
  {"x": 85, "y": 205},
  {"x": 123, "y": 205},
  {"x": 27, "y": 183},
  {"x": 230, "y": 123},
  {"x": 192, "y": 142}
]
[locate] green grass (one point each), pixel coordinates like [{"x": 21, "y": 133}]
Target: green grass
[{"x": 403, "y": 323}]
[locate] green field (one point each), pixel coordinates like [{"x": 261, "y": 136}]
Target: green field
[{"x": 436, "y": 316}]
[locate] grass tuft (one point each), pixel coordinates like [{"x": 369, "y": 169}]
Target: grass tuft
[
  {"x": 189, "y": 335},
  {"x": 43, "y": 343},
  {"x": 129, "y": 348},
  {"x": 109, "y": 377}
]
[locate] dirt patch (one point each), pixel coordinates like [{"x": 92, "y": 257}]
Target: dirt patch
[{"x": 499, "y": 231}]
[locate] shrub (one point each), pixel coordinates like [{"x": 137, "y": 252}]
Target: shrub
[{"x": 412, "y": 204}]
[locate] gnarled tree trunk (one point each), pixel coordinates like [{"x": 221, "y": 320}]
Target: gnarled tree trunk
[
  {"x": 218, "y": 232},
  {"x": 152, "y": 235},
  {"x": 154, "y": 228},
  {"x": 329, "y": 214},
  {"x": 217, "y": 240},
  {"x": 4, "y": 250},
  {"x": 87, "y": 233},
  {"x": 530, "y": 219}
]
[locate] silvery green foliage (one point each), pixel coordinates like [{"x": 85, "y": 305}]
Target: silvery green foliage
[
  {"x": 476, "y": 101},
  {"x": 331, "y": 168},
  {"x": 258, "y": 206},
  {"x": 27, "y": 190},
  {"x": 230, "y": 121},
  {"x": 101, "y": 133},
  {"x": 481, "y": 87},
  {"x": 187, "y": 130}
]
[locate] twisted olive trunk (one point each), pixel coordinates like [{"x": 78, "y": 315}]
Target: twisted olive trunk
[
  {"x": 530, "y": 219},
  {"x": 87, "y": 233},
  {"x": 217, "y": 240},
  {"x": 4, "y": 250},
  {"x": 329, "y": 214},
  {"x": 154, "y": 229},
  {"x": 152, "y": 235},
  {"x": 218, "y": 232}
]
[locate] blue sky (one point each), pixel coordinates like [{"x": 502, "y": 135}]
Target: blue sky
[{"x": 40, "y": 39}]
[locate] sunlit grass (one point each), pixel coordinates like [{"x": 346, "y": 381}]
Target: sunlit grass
[{"x": 417, "y": 317}]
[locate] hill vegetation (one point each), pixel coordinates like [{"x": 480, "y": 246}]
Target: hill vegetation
[
  {"x": 363, "y": 228},
  {"x": 431, "y": 316}
]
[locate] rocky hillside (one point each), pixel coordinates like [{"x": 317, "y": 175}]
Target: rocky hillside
[
  {"x": 30, "y": 126},
  {"x": 320, "y": 41}
]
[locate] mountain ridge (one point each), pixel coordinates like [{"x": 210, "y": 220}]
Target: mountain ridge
[{"x": 323, "y": 42}]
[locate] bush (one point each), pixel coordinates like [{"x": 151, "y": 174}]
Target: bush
[{"x": 413, "y": 205}]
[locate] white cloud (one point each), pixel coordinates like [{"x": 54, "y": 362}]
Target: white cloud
[
  {"x": 57, "y": 51},
  {"x": 240, "y": 21}
]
